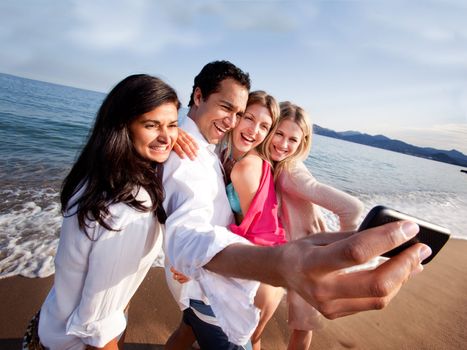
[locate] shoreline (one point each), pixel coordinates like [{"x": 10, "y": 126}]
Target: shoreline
[{"x": 430, "y": 312}]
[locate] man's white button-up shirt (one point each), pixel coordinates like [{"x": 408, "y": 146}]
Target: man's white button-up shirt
[{"x": 198, "y": 213}]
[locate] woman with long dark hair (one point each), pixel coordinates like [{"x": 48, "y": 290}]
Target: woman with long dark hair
[{"x": 112, "y": 207}]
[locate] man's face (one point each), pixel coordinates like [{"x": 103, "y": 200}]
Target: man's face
[{"x": 218, "y": 114}]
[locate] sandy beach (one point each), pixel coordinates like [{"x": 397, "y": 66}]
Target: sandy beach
[{"x": 429, "y": 313}]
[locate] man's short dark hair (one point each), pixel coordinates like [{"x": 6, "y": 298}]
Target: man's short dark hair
[{"x": 212, "y": 74}]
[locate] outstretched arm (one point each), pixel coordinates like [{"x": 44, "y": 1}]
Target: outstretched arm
[
  {"x": 298, "y": 182},
  {"x": 318, "y": 262}
]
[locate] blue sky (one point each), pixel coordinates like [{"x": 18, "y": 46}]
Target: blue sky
[{"x": 397, "y": 68}]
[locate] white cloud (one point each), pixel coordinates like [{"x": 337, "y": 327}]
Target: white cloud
[
  {"x": 431, "y": 35},
  {"x": 353, "y": 64},
  {"x": 98, "y": 28},
  {"x": 138, "y": 27}
]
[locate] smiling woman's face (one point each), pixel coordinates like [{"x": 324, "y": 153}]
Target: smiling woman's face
[
  {"x": 285, "y": 141},
  {"x": 251, "y": 130},
  {"x": 154, "y": 133}
]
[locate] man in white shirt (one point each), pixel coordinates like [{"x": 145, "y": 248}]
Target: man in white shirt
[
  {"x": 198, "y": 213},
  {"x": 220, "y": 310}
]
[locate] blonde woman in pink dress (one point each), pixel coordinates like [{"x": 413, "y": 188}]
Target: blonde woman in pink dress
[
  {"x": 251, "y": 193},
  {"x": 300, "y": 196},
  {"x": 250, "y": 189}
]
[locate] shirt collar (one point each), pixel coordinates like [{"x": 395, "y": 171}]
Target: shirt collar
[{"x": 190, "y": 126}]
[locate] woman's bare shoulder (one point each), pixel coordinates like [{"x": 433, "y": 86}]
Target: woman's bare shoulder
[{"x": 249, "y": 162}]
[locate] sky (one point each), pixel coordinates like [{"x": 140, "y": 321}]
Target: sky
[{"x": 391, "y": 67}]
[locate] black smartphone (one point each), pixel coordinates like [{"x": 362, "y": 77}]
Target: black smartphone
[{"x": 430, "y": 234}]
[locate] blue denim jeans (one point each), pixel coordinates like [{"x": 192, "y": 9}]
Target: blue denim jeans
[{"x": 209, "y": 337}]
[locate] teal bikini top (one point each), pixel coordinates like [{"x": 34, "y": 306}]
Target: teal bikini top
[{"x": 233, "y": 199}]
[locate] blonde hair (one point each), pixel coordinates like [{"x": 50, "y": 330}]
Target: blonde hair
[
  {"x": 292, "y": 112},
  {"x": 263, "y": 99}
]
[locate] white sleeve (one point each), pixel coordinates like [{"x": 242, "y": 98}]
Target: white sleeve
[
  {"x": 300, "y": 183},
  {"x": 117, "y": 264},
  {"x": 232, "y": 301},
  {"x": 191, "y": 241}
]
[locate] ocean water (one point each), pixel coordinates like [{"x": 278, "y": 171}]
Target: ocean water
[{"x": 43, "y": 126}]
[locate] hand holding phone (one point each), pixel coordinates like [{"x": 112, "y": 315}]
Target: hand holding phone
[{"x": 430, "y": 234}]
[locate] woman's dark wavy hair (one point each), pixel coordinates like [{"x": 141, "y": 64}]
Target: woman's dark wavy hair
[{"x": 109, "y": 170}]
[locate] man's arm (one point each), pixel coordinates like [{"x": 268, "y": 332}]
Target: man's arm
[
  {"x": 191, "y": 238},
  {"x": 313, "y": 267}
]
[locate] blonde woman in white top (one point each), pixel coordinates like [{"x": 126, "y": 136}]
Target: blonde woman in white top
[
  {"x": 300, "y": 196},
  {"x": 112, "y": 206}
]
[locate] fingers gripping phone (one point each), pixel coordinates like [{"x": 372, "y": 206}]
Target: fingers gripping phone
[{"x": 430, "y": 234}]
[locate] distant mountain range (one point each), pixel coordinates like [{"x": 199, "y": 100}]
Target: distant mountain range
[{"x": 381, "y": 141}]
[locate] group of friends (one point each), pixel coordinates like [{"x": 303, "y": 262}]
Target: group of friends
[{"x": 223, "y": 191}]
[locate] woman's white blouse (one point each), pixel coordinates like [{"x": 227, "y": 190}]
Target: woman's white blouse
[{"x": 95, "y": 279}]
